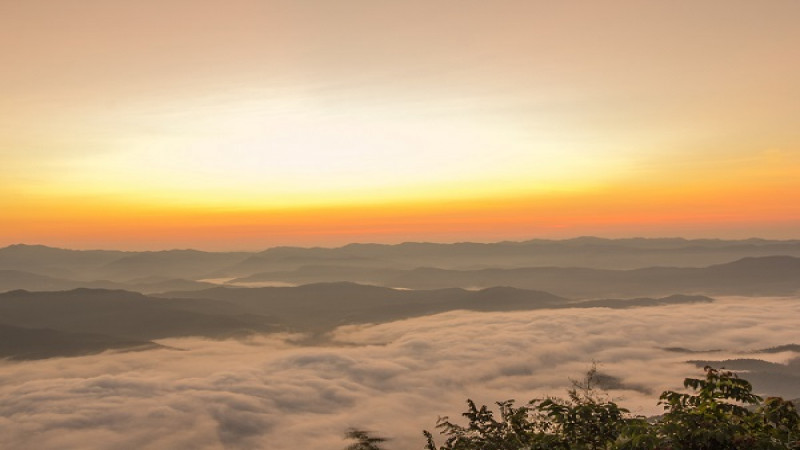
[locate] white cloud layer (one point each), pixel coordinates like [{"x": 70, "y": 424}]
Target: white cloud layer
[{"x": 394, "y": 378}]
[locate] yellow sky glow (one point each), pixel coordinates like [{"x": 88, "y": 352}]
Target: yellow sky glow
[{"x": 243, "y": 126}]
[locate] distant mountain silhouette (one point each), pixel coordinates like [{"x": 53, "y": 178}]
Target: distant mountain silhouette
[
  {"x": 589, "y": 252},
  {"x": 780, "y": 348},
  {"x": 17, "y": 279},
  {"x": 579, "y": 252},
  {"x": 768, "y": 275},
  {"x": 118, "y": 266},
  {"x": 14, "y": 280},
  {"x": 171, "y": 264},
  {"x": 55, "y": 262}
]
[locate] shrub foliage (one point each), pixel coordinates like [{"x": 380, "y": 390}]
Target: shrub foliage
[{"x": 720, "y": 412}]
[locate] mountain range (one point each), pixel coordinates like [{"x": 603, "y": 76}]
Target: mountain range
[
  {"x": 89, "y": 320},
  {"x": 586, "y": 252},
  {"x": 767, "y": 275},
  {"x": 579, "y": 268}
]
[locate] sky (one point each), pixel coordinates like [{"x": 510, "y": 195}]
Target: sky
[{"x": 248, "y": 124}]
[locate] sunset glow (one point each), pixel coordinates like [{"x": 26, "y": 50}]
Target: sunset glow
[{"x": 143, "y": 126}]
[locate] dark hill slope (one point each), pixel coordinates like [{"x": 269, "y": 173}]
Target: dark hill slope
[
  {"x": 124, "y": 314},
  {"x": 38, "y": 343},
  {"x": 325, "y": 305}
]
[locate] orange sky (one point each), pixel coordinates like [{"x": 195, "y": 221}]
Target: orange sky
[{"x": 192, "y": 123}]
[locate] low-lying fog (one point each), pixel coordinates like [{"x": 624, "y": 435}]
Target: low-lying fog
[{"x": 394, "y": 379}]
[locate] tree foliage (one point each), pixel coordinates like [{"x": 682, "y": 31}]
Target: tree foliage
[{"x": 721, "y": 412}]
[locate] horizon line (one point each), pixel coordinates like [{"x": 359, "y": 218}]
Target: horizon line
[{"x": 505, "y": 241}]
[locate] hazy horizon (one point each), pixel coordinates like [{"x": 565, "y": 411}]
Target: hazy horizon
[{"x": 147, "y": 248}]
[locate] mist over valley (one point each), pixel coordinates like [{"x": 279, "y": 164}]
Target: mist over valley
[{"x": 367, "y": 336}]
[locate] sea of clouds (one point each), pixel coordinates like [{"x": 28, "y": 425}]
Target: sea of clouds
[{"x": 395, "y": 379}]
